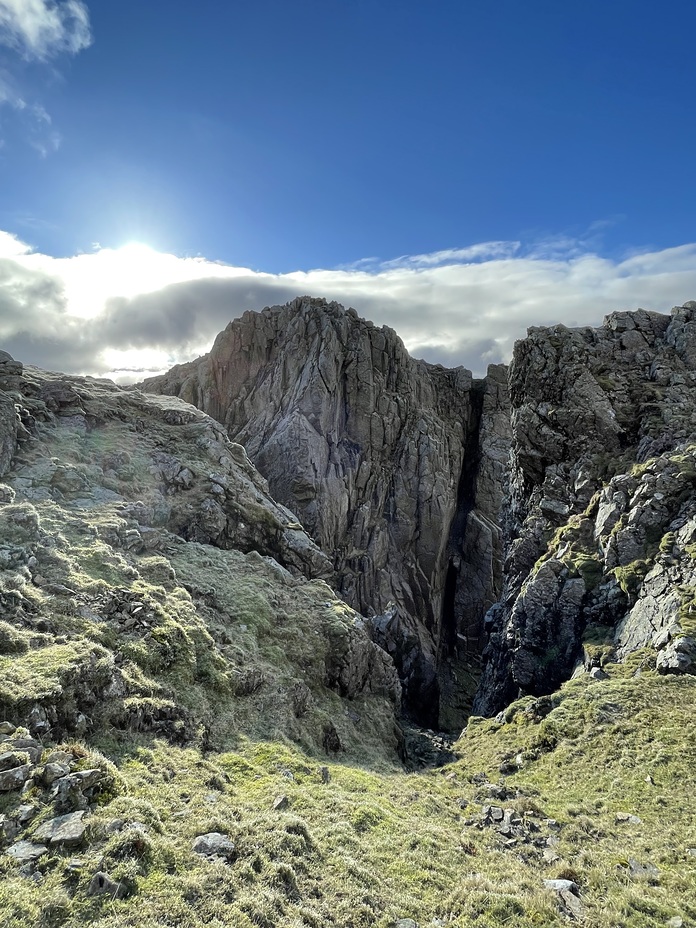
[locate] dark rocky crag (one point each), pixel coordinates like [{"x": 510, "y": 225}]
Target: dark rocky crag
[
  {"x": 400, "y": 471},
  {"x": 395, "y": 467},
  {"x": 601, "y": 514}
]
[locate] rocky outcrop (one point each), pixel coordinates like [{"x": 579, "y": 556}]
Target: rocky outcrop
[
  {"x": 394, "y": 466},
  {"x": 149, "y": 582},
  {"x": 601, "y": 510}
]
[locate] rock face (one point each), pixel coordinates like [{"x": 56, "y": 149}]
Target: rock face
[
  {"x": 395, "y": 467},
  {"x": 602, "y": 510},
  {"x": 149, "y": 582}
]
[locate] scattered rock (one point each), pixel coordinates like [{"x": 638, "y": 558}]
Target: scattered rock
[
  {"x": 52, "y": 771},
  {"x": 26, "y": 851},
  {"x": 213, "y": 844},
  {"x": 627, "y": 817},
  {"x": 562, "y": 885},
  {"x": 639, "y": 870},
  {"x": 101, "y": 884},
  {"x": 568, "y": 895},
  {"x": 25, "y": 814},
  {"x": 10, "y": 759},
  {"x": 280, "y": 803},
  {"x": 14, "y": 778},
  {"x": 63, "y": 829}
]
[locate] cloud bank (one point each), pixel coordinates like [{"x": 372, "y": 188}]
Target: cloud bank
[{"x": 128, "y": 312}]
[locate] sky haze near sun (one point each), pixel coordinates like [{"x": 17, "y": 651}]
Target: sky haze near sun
[{"x": 456, "y": 170}]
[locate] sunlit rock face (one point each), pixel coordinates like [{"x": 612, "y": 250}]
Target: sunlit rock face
[
  {"x": 149, "y": 582},
  {"x": 601, "y": 518},
  {"x": 396, "y": 468}
]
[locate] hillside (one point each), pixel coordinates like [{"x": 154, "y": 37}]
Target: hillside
[{"x": 197, "y": 729}]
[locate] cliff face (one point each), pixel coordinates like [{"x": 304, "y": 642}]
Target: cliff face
[
  {"x": 403, "y": 474},
  {"x": 394, "y": 466},
  {"x": 601, "y": 516}
]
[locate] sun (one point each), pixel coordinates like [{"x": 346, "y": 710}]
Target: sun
[{"x": 137, "y": 267}]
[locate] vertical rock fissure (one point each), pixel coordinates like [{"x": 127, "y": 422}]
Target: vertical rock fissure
[{"x": 459, "y": 650}]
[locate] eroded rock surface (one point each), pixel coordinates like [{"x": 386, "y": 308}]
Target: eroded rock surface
[
  {"x": 394, "y": 466},
  {"x": 148, "y": 580},
  {"x": 600, "y": 520}
]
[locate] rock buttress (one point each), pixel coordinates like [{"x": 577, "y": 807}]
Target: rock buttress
[
  {"x": 369, "y": 447},
  {"x": 602, "y": 509}
]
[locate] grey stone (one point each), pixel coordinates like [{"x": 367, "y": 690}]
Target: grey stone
[
  {"x": 9, "y": 429},
  {"x": 26, "y": 813},
  {"x": 14, "y": 778},
  {"x": 640, "y": 870},
  {"x": 60, "y": 757},
  {"x": 628, "y": 817},
  {"x": 63, "y": 829},
  {"x": 101, "y": 884},
  {"x": 53, "y": 771},
  {"x": 280, "y": 803},
  {"x": 29, "y": 745},
  {"x": 679, "y": 656},
  {"x": 213, "y": 844},
  {"x": 572, "y": 904},
  {"x": 10, "y": 759},
  {"x": 562, "y": 886},
  {"x": 25, "y": 851}
]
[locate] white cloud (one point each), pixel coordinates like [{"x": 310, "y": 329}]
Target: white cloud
[
  {"x": 135, "y": 309},
  {"x": 39, "y": 29}
]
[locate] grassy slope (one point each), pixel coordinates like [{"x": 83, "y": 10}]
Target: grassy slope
[{"x": 372, "y": 846}]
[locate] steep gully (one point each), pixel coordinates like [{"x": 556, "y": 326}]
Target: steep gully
[
  {"x": 394, "y": 466},
  {"x": 579, "y": 461}
]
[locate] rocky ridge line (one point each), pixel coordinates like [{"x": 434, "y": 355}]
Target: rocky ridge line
[{"x": 142, "y": 559}]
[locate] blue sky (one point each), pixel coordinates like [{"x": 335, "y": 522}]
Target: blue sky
[{"x": 286, "y": 137}]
